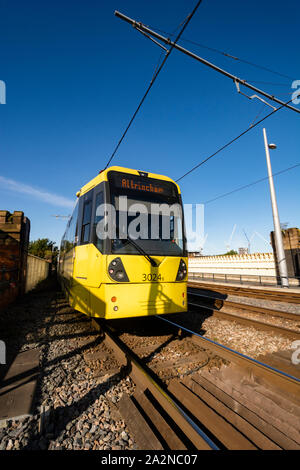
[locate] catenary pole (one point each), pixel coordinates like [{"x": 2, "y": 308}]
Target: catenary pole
[{"x": 283, "y": 273}]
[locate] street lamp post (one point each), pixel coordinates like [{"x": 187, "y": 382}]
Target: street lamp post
[{"x": 277, "y": 229}]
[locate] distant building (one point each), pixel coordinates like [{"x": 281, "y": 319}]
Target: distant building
[
  {"x": 243, "y": 251},
  {"x": 193, "y": 254}
]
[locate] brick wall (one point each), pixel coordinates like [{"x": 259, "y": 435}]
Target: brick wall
[
  {"x": 14, "y": 238},
  {"x": 291, "y": 245}
]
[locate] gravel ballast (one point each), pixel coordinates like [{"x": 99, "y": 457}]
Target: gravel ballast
[{"x": 80, "y": 383}]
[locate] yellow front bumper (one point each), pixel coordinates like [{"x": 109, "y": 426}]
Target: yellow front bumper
[{"x": 135, "y": 300}]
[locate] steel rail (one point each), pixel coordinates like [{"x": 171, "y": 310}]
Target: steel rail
[
  {"x": 283, "y": 380},
  {"x": 293, "y": 334},
  {"x": 281, "y": 296},
  {"x": 142, "y": 375},
  {"x": 250, "y": 308}
]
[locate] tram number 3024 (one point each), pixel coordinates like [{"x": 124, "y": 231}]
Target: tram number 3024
[{"x": 152, "y": 277}]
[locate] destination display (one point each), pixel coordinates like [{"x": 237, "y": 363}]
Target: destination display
[{"x": 140, "y": 183}]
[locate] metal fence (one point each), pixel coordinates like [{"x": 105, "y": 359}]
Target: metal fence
[
  {"x": 12, "y": 284},
  {"x": 37, "y": 270},
  {"x": 242, "y": 279}
]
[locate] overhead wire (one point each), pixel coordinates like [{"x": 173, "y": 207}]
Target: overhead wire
[
  {"x": 287, "y": 85},
  {"x": 189, "y": 17},
  {"x": 237, "y": 80},
  {"x": 138, "y": 26},
  {"x": 251, "y": 184},
  {"x": 232, "y": 141},
  {"x": 226, "y": 54},
  {"x": 258, "y": 114}
]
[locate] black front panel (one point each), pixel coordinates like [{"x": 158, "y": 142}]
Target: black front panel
[
  {"x": 146, "y": 191},
  {"x": 142, "y": 187}
]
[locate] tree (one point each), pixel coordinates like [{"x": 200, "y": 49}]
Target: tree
[
  {"x": 230, "y": 253},
  {"x": 44, "y": 248}
]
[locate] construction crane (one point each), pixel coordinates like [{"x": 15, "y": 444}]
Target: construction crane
[
  {"x": 61, "y": 216},
  {"x": 249, "y": 241},
  {"x": 230, "y": 238}
]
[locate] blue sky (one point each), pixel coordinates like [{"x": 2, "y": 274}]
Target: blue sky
[{"x": 75, "y": 74}]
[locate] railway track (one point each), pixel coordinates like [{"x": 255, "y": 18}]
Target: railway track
[
  {"x": 196, "y": 406},
  {"x": 239, "y": 310},
  {"x": 191, "y": 412},
  {"x": 163, "y": 422},
  {"x": 266, "y": 294}
]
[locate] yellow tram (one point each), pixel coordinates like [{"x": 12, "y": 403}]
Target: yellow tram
[{"x": 123, "y": 253}]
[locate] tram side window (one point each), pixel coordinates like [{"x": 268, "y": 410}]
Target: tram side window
[
  {"x": 69, "y": 238},
  {"x": 86, "y": 220},
  {"x": 98, "y": 241},
  {"x": 72, "y": 231}
]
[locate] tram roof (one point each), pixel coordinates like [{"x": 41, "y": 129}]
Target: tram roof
[{"x": 102, "y": 176}]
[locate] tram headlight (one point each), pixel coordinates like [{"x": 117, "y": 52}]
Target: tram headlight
[
  {"x": 182, "y": 271},
  {"x": 120, "y": 275},
  {"x": 117, "y": 271}
]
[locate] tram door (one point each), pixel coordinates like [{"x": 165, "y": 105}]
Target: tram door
[{"x": 80, "y": 290}]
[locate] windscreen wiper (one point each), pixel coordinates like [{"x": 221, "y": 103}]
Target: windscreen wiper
[{"x": 140, "y": 250}]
